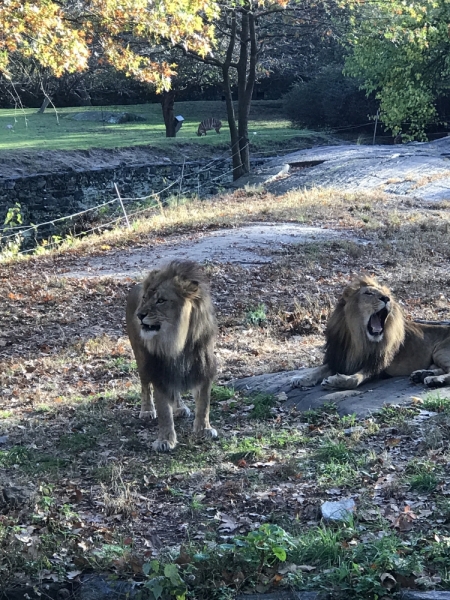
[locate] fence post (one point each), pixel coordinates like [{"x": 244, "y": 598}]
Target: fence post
[
  {"x": 123, "y": 207},
  {"x": 375, "y": 128}
]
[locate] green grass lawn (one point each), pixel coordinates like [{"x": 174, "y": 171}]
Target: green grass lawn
[{"x": 56, "y": 130}]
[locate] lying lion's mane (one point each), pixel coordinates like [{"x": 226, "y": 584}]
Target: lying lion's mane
[{"x": 347, "y": 352}]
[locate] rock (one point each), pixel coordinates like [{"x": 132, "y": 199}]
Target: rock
[
  {"x": 357, "y": 167},
  {"x": 362, "y": 402},
  {"x": 107, "y": 117},
  {"x": 338, "y": 511},
  {"x": 352, "y": 430},
  {"x": 282, "y": 596},
  {"x": 96, "y": 587},
  {"x": 12, "y": 497},
  {"x": 416, "y": 595}
]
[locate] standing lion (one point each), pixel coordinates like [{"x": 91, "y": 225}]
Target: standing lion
[
  {"x": 368, "y": 336},
  {"x": 172, "y": 330}
]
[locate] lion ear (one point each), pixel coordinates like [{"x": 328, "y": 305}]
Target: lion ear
[
  {"x": 151, "y": 275},
  {"x": 349, "y": 290},
  {"x": 189, "y": 287}
]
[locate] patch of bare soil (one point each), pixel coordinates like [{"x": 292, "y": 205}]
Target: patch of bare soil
[{"x": 92, "y": 494}]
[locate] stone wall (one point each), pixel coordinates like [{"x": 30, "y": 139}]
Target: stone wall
[{"x": 47, "y": 196}]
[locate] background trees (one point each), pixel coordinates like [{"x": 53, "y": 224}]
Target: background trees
[
  {"x": 126, "y": 34},
  {"x": 249, "y": 35},
  {"x": 401, "y": 52}
]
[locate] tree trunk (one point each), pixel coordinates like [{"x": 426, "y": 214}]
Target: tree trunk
[
  {"x": 83, "y": 94},
  {"x": 246, "y": 71},
  {"x": 238, "y": 169},
  {"x": 167, "y": 102},
  {"x": 44, "y": 105}
]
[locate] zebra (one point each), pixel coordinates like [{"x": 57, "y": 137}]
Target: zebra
[{"x": 208, "y": 124}]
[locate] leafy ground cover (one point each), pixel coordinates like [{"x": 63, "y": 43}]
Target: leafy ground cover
[{"x": 81, "y": 491}]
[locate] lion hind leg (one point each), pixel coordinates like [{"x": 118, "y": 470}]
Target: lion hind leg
[
  {"x": 202, "y": 427},
  {"x": 441, "y": 367},
  {"x": 181, "y": 411},
  {"x": 311, "y": 377},
  {"x": 344, "y": 382},
  {"x": 148, "y": 410},
  {"x": 167, "y": 438}
]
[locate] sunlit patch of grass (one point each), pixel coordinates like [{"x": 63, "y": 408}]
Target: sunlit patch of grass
[
  {"x": 221, "y": 393},
  {"x": 331, "y": 451},
  {"x": 337, "y": 473},
  {"x": 32, "y": 130},
  {"x": 396, "y": 415},
  {"x": 422, "y": 475},
  {"x": 436, "y": 403}
]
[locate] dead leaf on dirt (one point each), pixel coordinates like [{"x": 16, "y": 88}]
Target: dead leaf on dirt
[
  {"x": 228, "y": 523},
  {"x": 392, "y": 442},
  {"x": 73, "y": 574}
]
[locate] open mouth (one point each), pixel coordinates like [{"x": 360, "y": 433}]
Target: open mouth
[
  {"x": 375, "y": 326},
  {"x": 146, "y": 327}
]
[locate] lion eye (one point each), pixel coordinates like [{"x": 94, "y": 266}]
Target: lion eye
[
  {"x": 160, "y": 300},
  {"x": 368, "y": 293}
]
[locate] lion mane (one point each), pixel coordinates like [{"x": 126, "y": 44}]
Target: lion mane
[
  {"x": 367, "y": 336},
  {"x": 172, "y": 330},
  {"x": 347, "y": 348}
]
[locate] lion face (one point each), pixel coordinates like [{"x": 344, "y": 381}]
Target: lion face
[
  {"x": 164, "y": 314},
  {"x": 365, "y": 330},
  {"x": 374, "y": 307}
]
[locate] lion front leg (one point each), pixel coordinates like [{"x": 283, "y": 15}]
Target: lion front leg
[
  {"x": 311, "y": 377},
  {"x": 344, "y": 382},
  {"x": 423, "y": 374},
  {"x": 167, "y": 438},
  {"x": 148, "y": 410},
  {"x": 202, "y": 427}
]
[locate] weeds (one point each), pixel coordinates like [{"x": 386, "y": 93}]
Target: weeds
[
  {"x": 257, "y": 316},
  {"x": 435, "y": 402}
]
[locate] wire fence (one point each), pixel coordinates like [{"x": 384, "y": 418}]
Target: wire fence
[{"x": 117, "y": 209}]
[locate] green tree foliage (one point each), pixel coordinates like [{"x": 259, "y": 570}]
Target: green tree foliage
[{"x": 400, "y": 49}]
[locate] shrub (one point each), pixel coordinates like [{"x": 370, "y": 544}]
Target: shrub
[{"x": 328, "y": 100}]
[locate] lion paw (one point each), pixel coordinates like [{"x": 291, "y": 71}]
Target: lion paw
[
  {"x": 301, "y": 381},
  {"x": 339, "y": 381},
  {"x": 208, "y": 432},
  {"x": 421, "y": 375},
  {"x": 148, "y": 415},
  {"x": 182, "y": 412},
  {"x": 437, "y": 380},
  {"x": 163, "y": 445}
]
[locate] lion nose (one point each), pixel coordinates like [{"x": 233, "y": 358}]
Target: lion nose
[
  {"x": 141, "y": 316},
  {"x": 385, "y": 299}
]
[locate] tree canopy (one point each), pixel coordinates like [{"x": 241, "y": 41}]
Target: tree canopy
[
  {"x": 401, "y": 51},
  {"x": 124, "y": 33}
]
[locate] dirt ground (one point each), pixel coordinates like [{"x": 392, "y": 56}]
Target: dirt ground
[{"x": 81, "y": 490}]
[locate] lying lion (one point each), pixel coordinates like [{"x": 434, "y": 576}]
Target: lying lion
[
  {"x": 367, "y": 336},
  {"x": 172, "y": 330}
]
